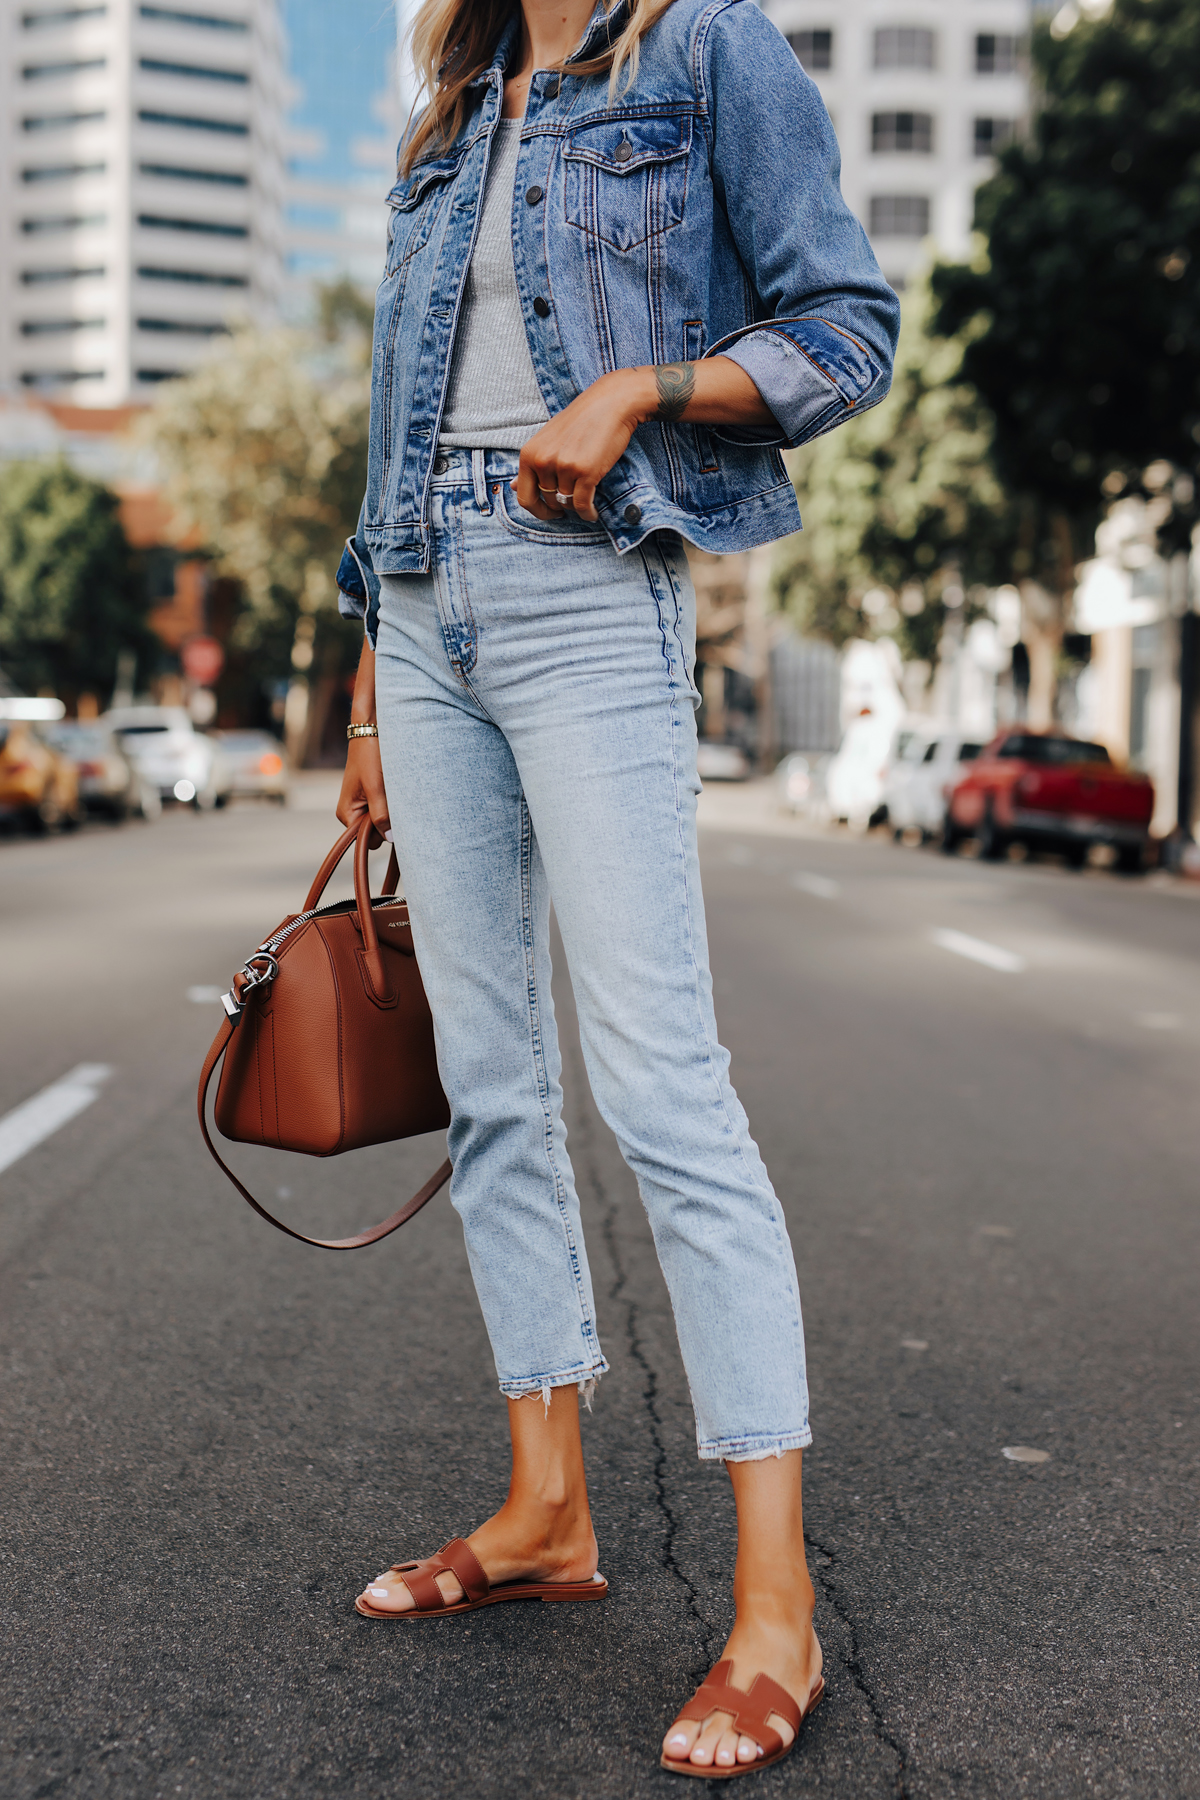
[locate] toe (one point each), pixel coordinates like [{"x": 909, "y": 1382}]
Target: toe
[
  {"x": 747, "y": 1750},
  {"x": 679, "y": 1740},
  {"x": 704, "y": 1749},
  {"x": 725, "y": 1754}
]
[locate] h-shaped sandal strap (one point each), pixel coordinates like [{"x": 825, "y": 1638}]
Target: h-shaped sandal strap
[
  {"x": 461, "y": 1560},
  {"x": 455, "y": 1558},
  {"x": 749, "y": 1709}
]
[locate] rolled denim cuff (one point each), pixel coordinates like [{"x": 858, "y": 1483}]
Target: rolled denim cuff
[
  {"x": 810, "y": 374},
  {"x": 752, "y": 1449}
]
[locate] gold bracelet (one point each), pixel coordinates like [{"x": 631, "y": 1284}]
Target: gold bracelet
[{"x": 357, "y": 731}]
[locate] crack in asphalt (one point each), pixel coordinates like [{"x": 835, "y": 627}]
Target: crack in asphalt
[
  {"x": 854, "y": 1668},
  {"x": 608, "y": 1208}
]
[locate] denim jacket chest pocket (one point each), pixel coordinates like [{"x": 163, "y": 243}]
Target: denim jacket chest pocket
[
  {"x": 415, "y": 203},
  {"x": 625, "y": 178}
]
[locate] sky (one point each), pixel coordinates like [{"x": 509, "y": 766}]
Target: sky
[{"x": 341, "y": 62}]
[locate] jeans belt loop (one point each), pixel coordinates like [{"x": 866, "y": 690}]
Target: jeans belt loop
[{"x": 479, "y": 478}]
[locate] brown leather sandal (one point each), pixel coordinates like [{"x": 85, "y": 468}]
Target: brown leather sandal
[
  {"x": 750, "y": 1709},
  {"x": 457, "y": 1558}
]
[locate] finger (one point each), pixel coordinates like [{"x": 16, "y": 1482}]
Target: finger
[
  {"x": 531, "y": 477},
  {"x": 536, "y": 504},
  {"x": 585, "y": 500}
]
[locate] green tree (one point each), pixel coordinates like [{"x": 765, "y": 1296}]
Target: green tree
[
  {"x": 904, "y": 500},
  {"x": 1087, "y": 302},
  {"x": 71, "y": 597},
  {"x": 264, "y": 450}
]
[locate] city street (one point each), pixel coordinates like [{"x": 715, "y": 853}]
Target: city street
[{"x": 975, "y": 1086}]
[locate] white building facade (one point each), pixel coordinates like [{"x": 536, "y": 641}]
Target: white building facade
[
  {"x": 142, "y": 189},
  {"x": 922, "y": 93}
]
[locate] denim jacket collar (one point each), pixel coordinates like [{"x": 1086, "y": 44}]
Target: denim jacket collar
[{"x": 601, "y": 29}]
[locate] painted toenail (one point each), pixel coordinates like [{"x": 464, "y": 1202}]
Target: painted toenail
[{"x": 378, "y": 1593}]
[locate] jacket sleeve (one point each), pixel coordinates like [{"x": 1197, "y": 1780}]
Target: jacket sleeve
[
  {"x": 357, "y": 582},
  {"x": 822, "y": 348}
]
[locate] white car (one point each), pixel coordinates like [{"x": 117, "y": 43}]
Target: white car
[
  {"x": 172, "y": 756},
  {"x": 920, "y": 783},
  {"x": 855, "y": 777}
]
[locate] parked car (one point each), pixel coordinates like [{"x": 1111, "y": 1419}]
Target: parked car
[
  {"x": 256, "y": 764},
  {"x": 721, "y": 762},
  {"x": 38, "y": 787},
  {"x": 800, "y": 783},
  {"x": 856, "y": 774},
  {"x": 175, "y": 758},
  {"x": 1052, "y": 792},
  {"x": 110, "y": 782},
  {"x": 918, "y": 785}
]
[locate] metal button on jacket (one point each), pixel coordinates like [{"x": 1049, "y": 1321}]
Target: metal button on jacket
[
  {"x": 632, "y": 515},
  {"x": 533, "y": 194},
  {"x": 552, "y": 87},
  {"x": 541, "y": 307},
  {"x": 623, "y": 151},
  {"x": 441, "y": 465}
]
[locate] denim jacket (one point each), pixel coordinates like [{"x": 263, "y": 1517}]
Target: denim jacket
[{"x": 699, "y": 215}]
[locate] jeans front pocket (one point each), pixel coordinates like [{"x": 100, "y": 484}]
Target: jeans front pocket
[
  {"x": 625, "y": 178},
  {"x": 569, "y": 533}
]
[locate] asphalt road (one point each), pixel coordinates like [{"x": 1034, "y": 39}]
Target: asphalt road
[{"x": 211, "y": 1435}]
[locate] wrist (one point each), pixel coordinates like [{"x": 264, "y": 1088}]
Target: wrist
[{"x": 636, "y": 394}]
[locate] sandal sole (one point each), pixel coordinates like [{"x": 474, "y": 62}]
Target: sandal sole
[{"x": 524, "y": 1590}]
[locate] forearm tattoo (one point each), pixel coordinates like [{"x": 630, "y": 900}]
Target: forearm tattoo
[{"x": 676, "y": 385}]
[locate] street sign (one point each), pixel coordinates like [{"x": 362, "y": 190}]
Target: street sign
[{"x": 203, "y": 659}]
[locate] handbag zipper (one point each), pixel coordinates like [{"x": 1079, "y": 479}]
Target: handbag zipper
[{"x": 272, "y": 943}]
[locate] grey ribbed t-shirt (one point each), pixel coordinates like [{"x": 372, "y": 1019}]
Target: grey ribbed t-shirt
[{"x": 493, "y": 401}]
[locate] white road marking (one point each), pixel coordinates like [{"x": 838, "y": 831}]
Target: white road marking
[
  {"x": 1022, "y": 1453},
  {"x": 914, "y": 1344},
  {"x": 996, "y": 1231},
  {"x": 204, "y": 996},
  {"x": 1159, "y": 1021},
  {"x": 976, "y": 950},
  {"x": 38, "y": 1118},
  {"x": 819, "y": 886}
]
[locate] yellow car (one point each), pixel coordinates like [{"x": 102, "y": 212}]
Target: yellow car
[{"x": 38, "y": 787}]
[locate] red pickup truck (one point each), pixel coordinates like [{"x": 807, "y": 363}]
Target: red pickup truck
[{"x": 1050, "y": 792}]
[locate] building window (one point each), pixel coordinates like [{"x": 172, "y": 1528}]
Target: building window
[
  {"x": 63, "y": 171},
  {"x": 61, "y": 15},
  {"x": 904, "y": 47},
  {"x": 997, "y": 53},
  {"x": 194, "y": 277},
  {"x": 902, "y": 131},
  {"x": 991, "y": 135},
  {"x": 54, "y": 378},
  {"x": 49, "y": 71},
  {"x": 899, "y": 215},
  {"x": 187, "y": 123},
  {"x": 193, "y": 71},
  {"x": 210, "y": 227},
  {"x": 168, "y": 171},
  {"x": 56, "y": 327},
  {"x": 814, "y": 49},
  {"x": 56, "y": 121},
  {"x": 61, "y": 222},
  {"x": 181, "y": 325},
  {"x": 39, "y": 277},
  {"x": 171, "y": 16}
]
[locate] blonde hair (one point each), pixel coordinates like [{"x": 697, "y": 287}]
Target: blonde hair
[{"x": 453, "y": 41}]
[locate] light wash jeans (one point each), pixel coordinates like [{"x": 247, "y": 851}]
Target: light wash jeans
[{"x": 536, "y": 720}]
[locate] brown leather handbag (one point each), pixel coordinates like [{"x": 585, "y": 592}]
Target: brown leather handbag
[{"x": 328, "y": 1038}]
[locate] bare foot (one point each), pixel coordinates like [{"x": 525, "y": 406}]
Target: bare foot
[
  {"x": 521, "y": 1542},
  {"x": 769, "y": 1640}
]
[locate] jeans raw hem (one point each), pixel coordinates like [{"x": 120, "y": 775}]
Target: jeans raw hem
[
  {"x": 754, "y": 1449},
  {"x": 584, "y": 1379}
]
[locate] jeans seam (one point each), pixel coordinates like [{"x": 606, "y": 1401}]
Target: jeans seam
[{"x": 539, "y": 1063}]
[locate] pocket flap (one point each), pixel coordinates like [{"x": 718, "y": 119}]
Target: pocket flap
[
  {"x": 411, "y": 189},
  {"x": 621, "y": 146}
]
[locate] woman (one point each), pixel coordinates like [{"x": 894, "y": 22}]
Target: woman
[{"x": 620, "y": 278}]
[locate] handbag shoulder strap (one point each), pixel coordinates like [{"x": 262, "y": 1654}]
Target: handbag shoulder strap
[{"x": 361, "y": 1238}]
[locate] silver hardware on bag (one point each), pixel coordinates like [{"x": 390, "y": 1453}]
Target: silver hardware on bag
[{"x": 253, "y": 977}]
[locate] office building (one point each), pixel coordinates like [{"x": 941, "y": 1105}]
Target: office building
[
  {"x": 142, "y": 189},
  {"x": 922, "y": 94}
]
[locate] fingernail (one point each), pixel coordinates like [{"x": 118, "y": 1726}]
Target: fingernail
[{"x": 388, "y": 838}]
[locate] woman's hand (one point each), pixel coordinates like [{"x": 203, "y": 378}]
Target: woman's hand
[
  {"x": 563, "y": 464},
  {"x": 362, "y": 784}
]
